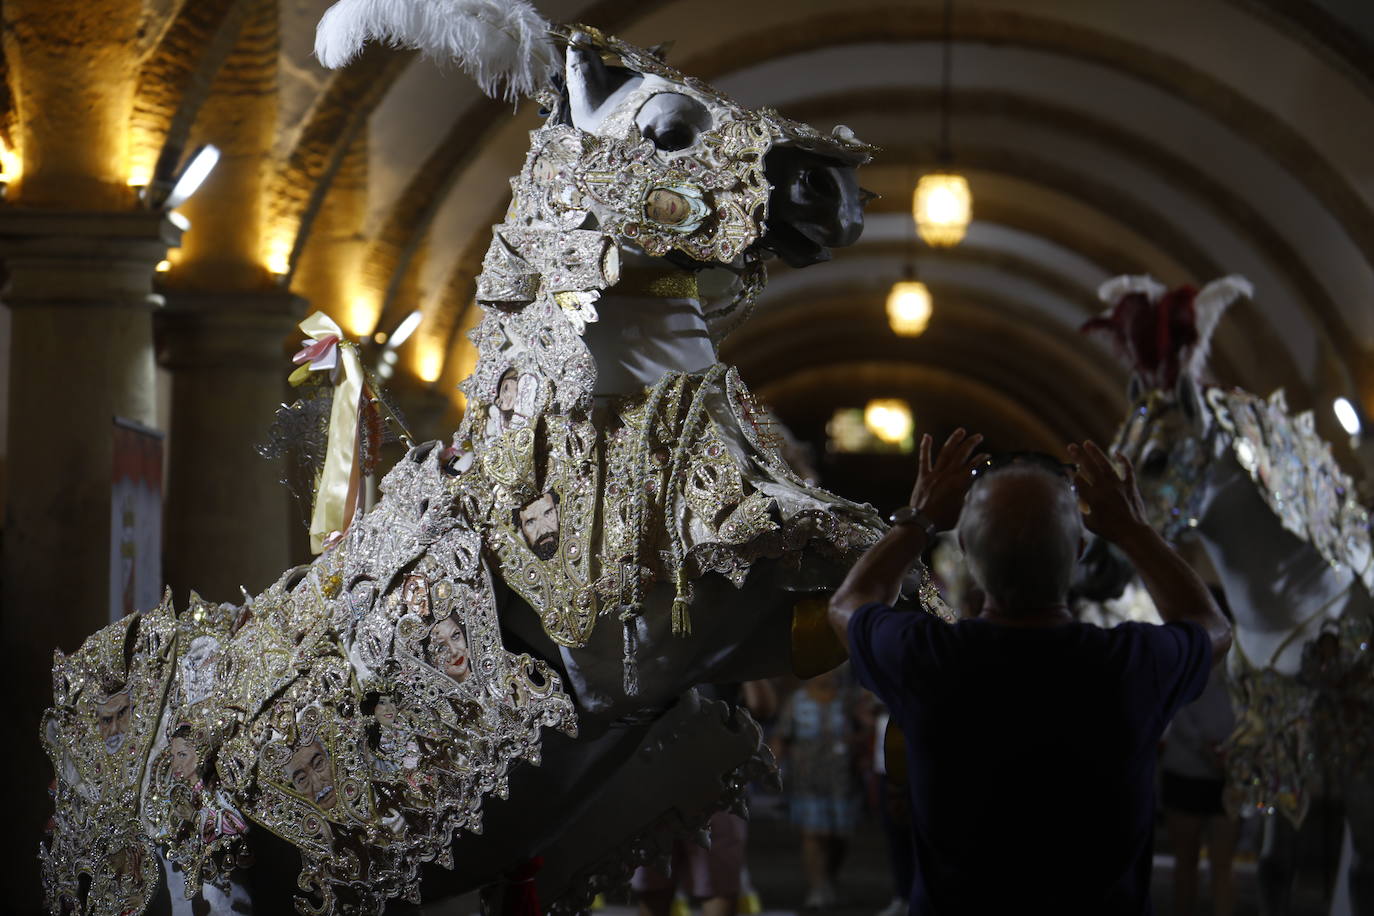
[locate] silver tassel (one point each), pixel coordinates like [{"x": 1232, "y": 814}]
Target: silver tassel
[
  {"x": 631, "y": 667},
  {"x": 682, "y": 604}
]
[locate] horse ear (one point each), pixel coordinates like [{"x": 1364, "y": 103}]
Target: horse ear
[
  {"x": 1135, "y": 388},
  {"x": 1188, "y": 396},
  {"x": 590, "y": 82},
  {"x": 661, "y": 50},
  {"x": 1209, "y": 305}
]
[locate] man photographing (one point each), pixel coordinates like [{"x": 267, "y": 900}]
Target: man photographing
[{"x": 1031, "y": 737}]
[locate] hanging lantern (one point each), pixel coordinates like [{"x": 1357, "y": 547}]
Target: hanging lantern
[
  {"x": 943, "y": 207},
  {"x": 909, "y": 307},
  {"x": 889, "y": 419}
]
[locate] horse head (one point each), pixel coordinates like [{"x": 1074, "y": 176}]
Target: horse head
[
  {"x": 1167, "y": 438},
  {"x": 1170, "y": 434},
  {"x": 700, "y": 178},
  {"x": 1165, "y": 337}
]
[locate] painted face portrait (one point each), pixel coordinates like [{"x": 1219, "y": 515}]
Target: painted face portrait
[
  {"x": 198, "y": 669},
  {"x": 112, "y": 718},
  {"x": 385, "y": 711},
  {"x": 311, "y": 773},
  {"x": 538, "y": 521},
  {"x": 127, "y": 864},
  {"x": 671, "y": 208},
  {"x": 508, "y": 392},
  {"x": 185, "y": 760},
  {"x": 448, "y": 649},
  {"x": 514, "y": 403},
  {"x": 415, "y": 595}
]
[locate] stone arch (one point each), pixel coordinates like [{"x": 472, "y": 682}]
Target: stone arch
[
  {"x": 857, "y": 379},
  {"x": 1259, "y": 334},
  {"x": 976, "y": 335},
  {"x": 1259, "y": 233},
  {"x": 175, "y": 80},
  {"x": 1338, "y": 44},
  {"x": 1263, "y": 129},
  {"x": 298, "y": 187}
]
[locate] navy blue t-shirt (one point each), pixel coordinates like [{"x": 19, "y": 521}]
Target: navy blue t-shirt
[{"x": 1031, "y": 753}]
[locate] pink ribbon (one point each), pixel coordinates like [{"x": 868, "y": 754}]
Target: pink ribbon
[{"x": 316, "y": 351}]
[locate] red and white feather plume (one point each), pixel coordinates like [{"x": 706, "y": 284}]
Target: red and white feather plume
[{"x": 1164, "y": 333}]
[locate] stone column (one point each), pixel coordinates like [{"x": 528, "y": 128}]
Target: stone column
[
  {"x": 80, "y": 291},
  {"x": 229, "y": 518},
  {"x": 328, "y": 270},
  {"x": 76, "y": 65},
  {"x": 228, "y": 246},
  {"x": 224, "y": 337}
]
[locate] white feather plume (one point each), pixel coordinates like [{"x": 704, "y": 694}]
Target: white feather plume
[
  {"x": 1209, "y": 305},
  {"x": 1111, "y": 291},
  {"x": 504, "y": 45}
]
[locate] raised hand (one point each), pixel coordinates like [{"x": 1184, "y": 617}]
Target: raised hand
[
  {"x": 942, "y": 483},
  {"x": 1111, "y": 501}
]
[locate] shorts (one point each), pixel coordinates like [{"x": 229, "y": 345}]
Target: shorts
[
  {"x": 824, "y": 813},
  {"x": 1190, "y": 795},
  {"x": 699, "y": 872}
]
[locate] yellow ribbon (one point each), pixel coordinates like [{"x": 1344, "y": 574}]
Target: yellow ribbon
[{"x": 331, "y": 495}]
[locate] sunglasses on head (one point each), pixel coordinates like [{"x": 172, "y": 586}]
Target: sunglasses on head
[{"x": 1042, "y": 460}]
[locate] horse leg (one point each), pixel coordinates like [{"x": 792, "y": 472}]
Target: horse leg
[
  {"x": 1278, "y": 862},
  {"x": 171, "y": 896},
  {"x": 1185, "y": 836},
  {"x": 693, "y": 756},
  {"x": 1359, "y": 812},
  {"x": 1221, "y": 852},
  {"x": 541, "y": 801}
]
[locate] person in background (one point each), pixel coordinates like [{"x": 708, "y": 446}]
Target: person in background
[
  {"x": 1192, "y": 778},
  {"x": 818, "y": 741},
  {"x": 894, "y": 806},
  {"x": 714, "y": 875},
  {"x": 1032, "y": 737}
]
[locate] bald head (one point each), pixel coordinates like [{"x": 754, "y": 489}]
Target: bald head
[{"x": 1021, "y": 533}]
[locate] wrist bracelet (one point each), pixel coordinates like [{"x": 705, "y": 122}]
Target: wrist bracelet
[{"x": 910, "y": 515}]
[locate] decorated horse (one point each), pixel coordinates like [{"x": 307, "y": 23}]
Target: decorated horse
[
  {"x": 486, "y": 679},
  {"x": 1259, "y": 490}
]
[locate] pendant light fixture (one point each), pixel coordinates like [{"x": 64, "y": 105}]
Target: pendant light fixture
[
  {"x": 909, "y": 305},
  {"x": 889, "y": 419},
  {"x": 943, "y": 204}
]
